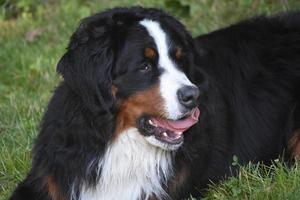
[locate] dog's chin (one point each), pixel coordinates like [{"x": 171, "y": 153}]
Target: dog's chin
[
  {"x": 153, "y": 140},
  {"x": 165, "y": 133}
]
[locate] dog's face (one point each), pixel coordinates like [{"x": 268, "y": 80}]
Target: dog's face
[{"x": 137, "y": 59}]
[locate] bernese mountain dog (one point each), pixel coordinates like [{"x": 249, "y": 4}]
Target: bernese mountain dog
[{"x": 145, "y": 111}]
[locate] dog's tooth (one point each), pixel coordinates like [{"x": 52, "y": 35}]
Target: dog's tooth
[
  {"x": 152, "y": 123},
  {"x": 178, "y": 132},
  {"x": 165, "y": 134}
]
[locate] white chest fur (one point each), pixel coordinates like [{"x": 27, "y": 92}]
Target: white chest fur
[{"x": 131, "y": 168}]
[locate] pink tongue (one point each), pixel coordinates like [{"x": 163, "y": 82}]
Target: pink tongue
[{"x": 179, "y": 125}]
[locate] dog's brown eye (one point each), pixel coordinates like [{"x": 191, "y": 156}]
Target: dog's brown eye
[{"x": 146, "y": 67}]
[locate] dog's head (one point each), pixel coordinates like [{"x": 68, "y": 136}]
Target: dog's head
[{"x": 134, "y": 63}]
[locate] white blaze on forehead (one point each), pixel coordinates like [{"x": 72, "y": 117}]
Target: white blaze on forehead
[{"x": 171, "y": 79}]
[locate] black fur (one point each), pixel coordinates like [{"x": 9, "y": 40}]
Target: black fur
[{"x": 248, "y": 74}]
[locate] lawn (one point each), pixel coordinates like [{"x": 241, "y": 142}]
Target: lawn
[{"x": 33, "y": 36}]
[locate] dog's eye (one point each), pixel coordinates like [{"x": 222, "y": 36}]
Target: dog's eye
[{"x": 145, "y": 67}]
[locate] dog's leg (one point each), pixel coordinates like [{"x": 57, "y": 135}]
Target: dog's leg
[{"x": 294, "y": 141}]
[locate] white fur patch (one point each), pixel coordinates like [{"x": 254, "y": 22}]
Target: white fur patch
[
  {"x": 172, "y": 79},
  {"x": 131, "y": 168}
]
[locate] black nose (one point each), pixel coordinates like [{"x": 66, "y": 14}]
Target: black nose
[{"x": 188, "y": 96}]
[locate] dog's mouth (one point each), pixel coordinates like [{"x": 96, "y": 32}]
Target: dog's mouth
[{"x": 168, "y": 131}]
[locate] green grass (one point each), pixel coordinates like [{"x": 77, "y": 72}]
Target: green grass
[
  {"x": 27, "y": 79},
  {"x": 259, "y": 182}
]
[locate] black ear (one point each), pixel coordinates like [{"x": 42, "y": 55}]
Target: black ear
[
  {"x": 61, "y": 65},
  {"x": 87, "y": 67}
]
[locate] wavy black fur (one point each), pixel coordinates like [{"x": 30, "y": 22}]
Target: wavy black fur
[{"x": 250, "y": 105}]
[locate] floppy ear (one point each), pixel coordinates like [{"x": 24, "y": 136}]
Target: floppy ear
[
  {"x": 61, "y": 65},
  {"x": 87, "y": 67}
]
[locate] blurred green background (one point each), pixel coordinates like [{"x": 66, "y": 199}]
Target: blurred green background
[{"x": 33, "y": 36}]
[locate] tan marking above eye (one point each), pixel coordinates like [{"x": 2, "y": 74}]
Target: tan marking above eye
[
  {"x": 149, "y": 52},
  {"x": 178, "y": 53}
]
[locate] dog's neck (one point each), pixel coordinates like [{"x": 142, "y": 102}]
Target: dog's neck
[{"x": 131, "y": 169}]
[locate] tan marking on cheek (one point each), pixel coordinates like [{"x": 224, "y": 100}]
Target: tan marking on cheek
[
  {"x": 147, "y": 102},
  {"x": 53, "y": 189},
  {"x": 149, "y": 52},
  {"x": 294, "y": 144},
  {"x": 178, "y": 53}
]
